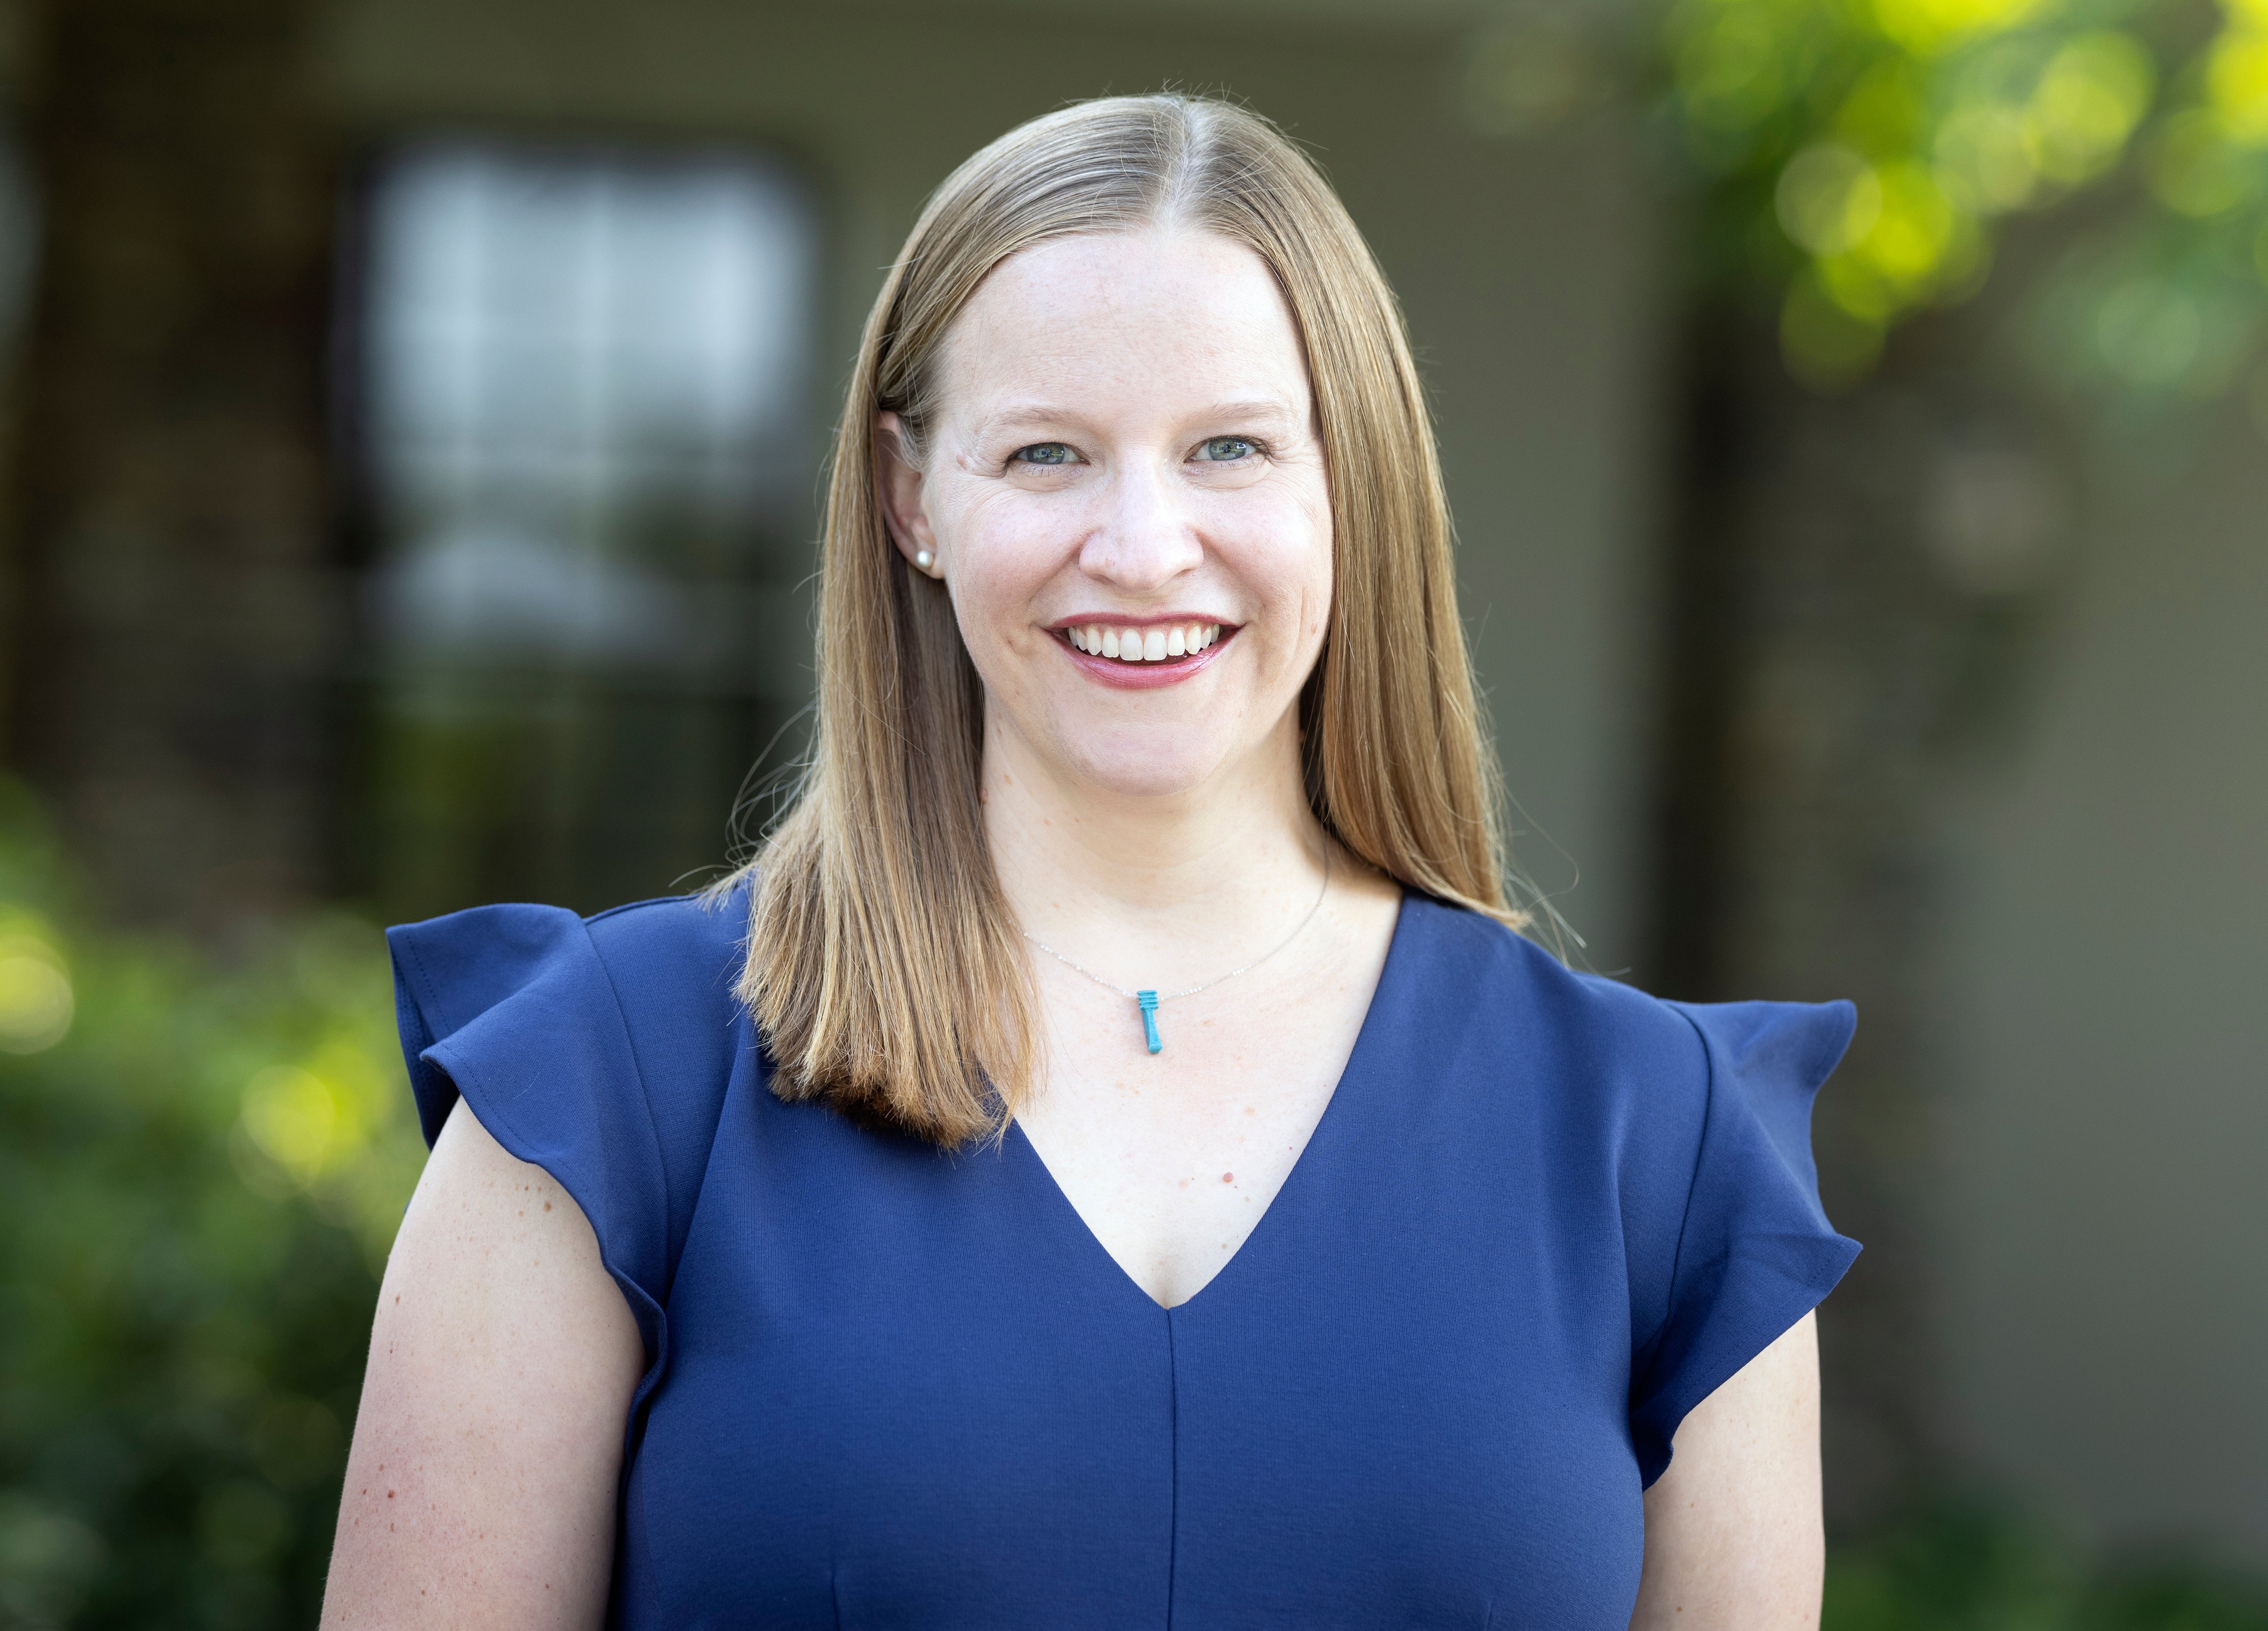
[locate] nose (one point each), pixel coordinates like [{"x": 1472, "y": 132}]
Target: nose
[{"x": 1146, "y": 536}]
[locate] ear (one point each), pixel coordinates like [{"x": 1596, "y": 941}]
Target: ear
[{"x": 903, "y": 487}]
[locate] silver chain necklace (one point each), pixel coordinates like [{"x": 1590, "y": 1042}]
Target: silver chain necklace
[{"x": 1148, "y": 1000}]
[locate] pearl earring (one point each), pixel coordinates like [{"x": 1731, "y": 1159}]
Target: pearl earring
[{"x": 924, "y": 559}]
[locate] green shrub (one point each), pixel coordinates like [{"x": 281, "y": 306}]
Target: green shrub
[
  {"x": 1968, "y": 1565},
  {"x": 201, "y": 1170}
]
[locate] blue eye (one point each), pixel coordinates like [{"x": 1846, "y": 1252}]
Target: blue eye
[
  {"x": 1225, "y": 449},
  {"x": 1044, "y": 452}
]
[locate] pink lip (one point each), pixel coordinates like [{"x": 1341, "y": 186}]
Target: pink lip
[
  {"x": 1142, "y": 676},
  {"x": 1119, "y": 620}
]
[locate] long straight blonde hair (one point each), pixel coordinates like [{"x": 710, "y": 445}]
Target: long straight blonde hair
[{"x": 884, "y": 966}]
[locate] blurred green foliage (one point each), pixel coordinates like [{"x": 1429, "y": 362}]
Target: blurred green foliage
[
  {"x": 201, "y": 1170},
  {"x": 1962, "y": 1565},
  {"x": 1862, "y": 154},
  {"x": 1860, "y": 161}
]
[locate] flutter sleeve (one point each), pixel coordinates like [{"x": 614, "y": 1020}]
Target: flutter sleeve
[
  {"x": 513, "y": 1009},
  {"x": 1755, "y": 1251}
]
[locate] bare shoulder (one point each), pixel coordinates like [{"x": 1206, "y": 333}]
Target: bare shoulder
[{"x": 481, "y": 1485}]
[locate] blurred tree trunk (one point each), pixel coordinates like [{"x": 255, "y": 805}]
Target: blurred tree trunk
[
  {"x": 1852, "y": 592},
  {"x": 177, "y": 617}
]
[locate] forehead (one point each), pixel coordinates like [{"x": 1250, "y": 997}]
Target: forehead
[{"x": 1161, "y": 313}]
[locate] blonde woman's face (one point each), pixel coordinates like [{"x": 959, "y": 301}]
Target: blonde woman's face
[{"x": 1126, "y": 498}]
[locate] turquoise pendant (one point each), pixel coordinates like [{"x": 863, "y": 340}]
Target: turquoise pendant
[{"x": 1149, "y": 1001}]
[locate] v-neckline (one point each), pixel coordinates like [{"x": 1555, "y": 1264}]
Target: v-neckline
[{"x": 1358, "y": 1058}]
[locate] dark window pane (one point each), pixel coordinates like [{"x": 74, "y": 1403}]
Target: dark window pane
[{"x": 584, "y": 400}]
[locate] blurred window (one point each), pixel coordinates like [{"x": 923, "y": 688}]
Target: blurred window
[{"x": 582, "y": 395}]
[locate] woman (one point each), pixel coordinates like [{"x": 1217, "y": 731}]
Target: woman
[{"x": 1110, "y": 1162}]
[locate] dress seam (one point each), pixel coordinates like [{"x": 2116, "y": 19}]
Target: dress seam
[
  {"x": 1173, "y": 1465},
  {"x": 637, "y": 1069},
  {"x": 1692, "y": 1182}
]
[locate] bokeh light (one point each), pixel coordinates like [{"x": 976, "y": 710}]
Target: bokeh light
[
  {"x": 1878, "y": 149},
  {"x": 36, "y": 1002}
]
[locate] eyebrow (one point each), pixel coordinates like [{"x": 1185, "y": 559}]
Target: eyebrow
[{"x": 1019, "y": 414}]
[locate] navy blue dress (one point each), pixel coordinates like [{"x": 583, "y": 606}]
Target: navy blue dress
[{"x": 1543, "y": 1217}]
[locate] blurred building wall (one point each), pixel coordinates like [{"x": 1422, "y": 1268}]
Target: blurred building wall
[
  {"x": 1983, "y": 747},
  {"x": 1529, "y": 273},
  {"x": 2103, "y": 1226}
]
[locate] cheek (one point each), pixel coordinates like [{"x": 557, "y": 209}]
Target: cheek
[
  {"x": 1002, "y": 547},
  {"x": 1280, "y": 545}
]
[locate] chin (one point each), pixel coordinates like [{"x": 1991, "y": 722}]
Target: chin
[{"x": 1139, "y": 769}]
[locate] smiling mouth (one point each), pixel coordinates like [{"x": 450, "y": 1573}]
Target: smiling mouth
[{"x": 1160, "y": 644}]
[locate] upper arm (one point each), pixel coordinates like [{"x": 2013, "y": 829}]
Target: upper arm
[
  {"x": 1733, "y": 1531},
  {"x": 481, "y": 1486}
]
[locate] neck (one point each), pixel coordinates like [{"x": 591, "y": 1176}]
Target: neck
[{"x": 1156, "y": 888}]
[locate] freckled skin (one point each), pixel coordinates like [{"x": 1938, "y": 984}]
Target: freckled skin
[{"x": 490, "y": 1428}]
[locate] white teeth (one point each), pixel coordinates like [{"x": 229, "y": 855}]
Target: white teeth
[{"x": 1185, "y": 639}]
